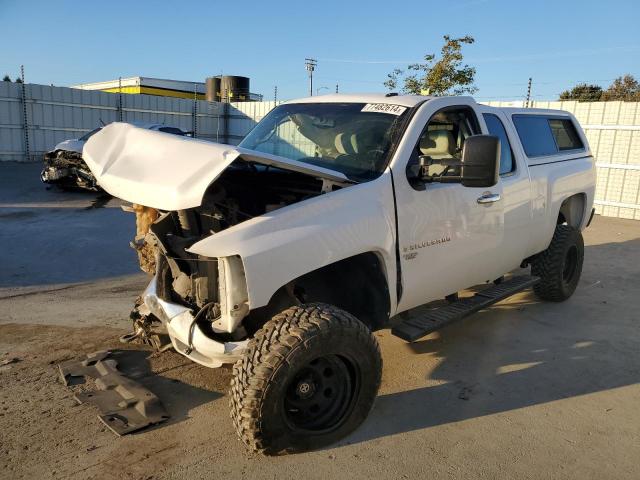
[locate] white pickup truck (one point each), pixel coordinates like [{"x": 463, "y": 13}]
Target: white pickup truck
[{"x": 334, "y": 215}]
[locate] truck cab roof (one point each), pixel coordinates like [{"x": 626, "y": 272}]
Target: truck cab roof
[
  {"x": 529, "y": 111},
  {"x": 404, "y": 100},
  {"x": 414, "y": 100}
]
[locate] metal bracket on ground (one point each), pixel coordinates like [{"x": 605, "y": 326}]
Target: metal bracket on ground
[{"x": 124, "y": 405}]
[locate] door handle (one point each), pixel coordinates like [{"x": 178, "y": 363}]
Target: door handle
[{"x": 489, "y": 198}]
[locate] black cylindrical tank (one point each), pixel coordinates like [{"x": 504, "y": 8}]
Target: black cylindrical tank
[
  {"x": 234, "y": 88},
  {"x": 213, "y": 89}
]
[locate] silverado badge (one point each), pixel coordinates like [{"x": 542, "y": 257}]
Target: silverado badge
[{"x": 427, "y": 243}]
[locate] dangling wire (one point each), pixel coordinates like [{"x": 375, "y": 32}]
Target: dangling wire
[{"x": 192, "y": 325}]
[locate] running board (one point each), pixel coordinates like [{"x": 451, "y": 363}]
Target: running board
[{"x": 414, "y": 328}]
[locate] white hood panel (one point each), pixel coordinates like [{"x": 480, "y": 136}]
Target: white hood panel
[
  {"x": 169, "y": 172},
  {"x": 152, "y": 168}
]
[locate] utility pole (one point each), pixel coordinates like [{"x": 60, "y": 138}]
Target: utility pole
[
  {"x": 526, "y": 105},
  {"x": 225, "y": 115},
  {"x": 336, "y": 88},
  {"x": 275, "y": 94},
  {"x": 310, "y": 65},
  {"x": 25, "y": 118},
  {"x": 119, "y": 99},
  {"x": 194, "y": 119}
]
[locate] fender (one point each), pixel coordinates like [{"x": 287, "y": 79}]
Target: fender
[
  {"x": 285, "y": 244},
  {"x": 553, "y": 184}
]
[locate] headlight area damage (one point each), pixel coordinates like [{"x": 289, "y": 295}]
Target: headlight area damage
[{"x": 184, "y": 191}]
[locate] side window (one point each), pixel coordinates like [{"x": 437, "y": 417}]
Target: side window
[
  {"x": 541, "y": 135},
  {"x": 443, "y": 138},
  {"x": 496, "y": 128},
  {"x": 535, "y": 134},
  {"x": 565, "y": 134}
]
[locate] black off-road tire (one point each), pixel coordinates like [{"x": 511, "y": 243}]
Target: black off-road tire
[
  {"x": 278, "y": 368},
  {"x": 560, "y": 265}
]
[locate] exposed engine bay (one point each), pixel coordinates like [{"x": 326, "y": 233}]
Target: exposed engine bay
[{"x": 244, "y": 191}]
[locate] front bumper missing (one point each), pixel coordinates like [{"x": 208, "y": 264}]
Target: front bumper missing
[{"x": 178, "y": 320}]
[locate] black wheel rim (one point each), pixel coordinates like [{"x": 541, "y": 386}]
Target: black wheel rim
[
  {"x": 570, "y": 264},
  {"x": 321, "y": 394}
]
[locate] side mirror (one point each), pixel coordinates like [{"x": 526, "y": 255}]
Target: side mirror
[{"x": 480, "y": 161}]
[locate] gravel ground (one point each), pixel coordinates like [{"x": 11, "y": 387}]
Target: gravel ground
[{"x": 523, "y": 390}]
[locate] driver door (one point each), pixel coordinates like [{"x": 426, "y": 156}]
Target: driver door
[{"x": 448, "y": 234}]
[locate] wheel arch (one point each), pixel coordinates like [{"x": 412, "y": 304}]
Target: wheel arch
[
  {"x": 358, "y": 284},
  {"x": 573, "y": 210}
]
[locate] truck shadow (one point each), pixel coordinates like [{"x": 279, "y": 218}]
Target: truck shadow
[{"x": 526, "y": 352}]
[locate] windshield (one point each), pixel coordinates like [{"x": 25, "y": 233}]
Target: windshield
[
  {"x": 352, "y": 138},
  {"x": 173, "y": 130},
  {"x": 87, "y": 136}
]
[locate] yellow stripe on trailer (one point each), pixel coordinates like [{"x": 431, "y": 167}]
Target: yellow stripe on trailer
[
  {"x": 135, "y": 89},
  {"x": 163, "y": 92}
]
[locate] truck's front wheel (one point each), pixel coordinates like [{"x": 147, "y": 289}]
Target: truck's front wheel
[
  {"x": 559, "y": 266},
  {"x": 309, "y": 378}
]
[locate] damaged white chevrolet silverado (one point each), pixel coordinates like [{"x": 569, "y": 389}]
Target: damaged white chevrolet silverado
[{"x": 334, "y": 215}]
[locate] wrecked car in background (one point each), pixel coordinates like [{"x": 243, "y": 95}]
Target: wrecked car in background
[
  {"x": 334, "y": 214},
  {"x": 65, "y": 168}
]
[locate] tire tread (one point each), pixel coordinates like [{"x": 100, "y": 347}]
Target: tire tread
[
  {"x": 548, "y": 265},
  {"x": 269, "y": 348}
]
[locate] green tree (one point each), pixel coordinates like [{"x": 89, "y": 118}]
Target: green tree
[
  {"x": 625, "y": 88},
  {"x": 18, "y": 80},
  {"x": 6, "y": 78},
  {"x": 583, "y": 93},
  {"x": 437, "y": 76}
]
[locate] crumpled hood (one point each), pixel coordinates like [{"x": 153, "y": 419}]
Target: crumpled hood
[{"x": 169, "y": 172}]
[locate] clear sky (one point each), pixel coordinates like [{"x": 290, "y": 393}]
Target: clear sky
[{"x": 558, "y": 43}]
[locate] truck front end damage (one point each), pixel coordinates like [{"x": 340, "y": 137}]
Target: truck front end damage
[
  {"x": 200, "y": 300},
  {"x": 237, "y": 227},
  {"x": 199, "y": 334}
]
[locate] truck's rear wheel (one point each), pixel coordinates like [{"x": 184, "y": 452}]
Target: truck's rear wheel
[
  {"x": 309, "y": 378},
  {"x": 559, "y": 266}
]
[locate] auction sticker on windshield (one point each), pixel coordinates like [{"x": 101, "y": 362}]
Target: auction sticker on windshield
[{"x": 384, "y": 108}]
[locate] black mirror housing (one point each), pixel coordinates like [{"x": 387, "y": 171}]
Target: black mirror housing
[{"x": 480, "y": 161}]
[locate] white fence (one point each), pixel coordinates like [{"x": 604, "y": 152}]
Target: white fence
[{"x": 34, "y": 118}]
